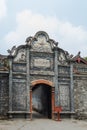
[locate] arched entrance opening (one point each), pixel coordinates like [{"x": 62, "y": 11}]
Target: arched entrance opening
[{"x": 42, "y": 99}]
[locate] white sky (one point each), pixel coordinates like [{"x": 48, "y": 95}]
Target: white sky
[{"x": 65, "y": 21}]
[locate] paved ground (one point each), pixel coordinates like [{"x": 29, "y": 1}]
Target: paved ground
[{"x": 40, "y": 123}]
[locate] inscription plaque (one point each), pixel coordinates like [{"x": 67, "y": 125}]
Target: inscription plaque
[{"x": 41, "y": 63}]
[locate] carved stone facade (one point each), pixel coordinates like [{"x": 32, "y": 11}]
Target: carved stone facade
[{"x": 39, "y": 75}]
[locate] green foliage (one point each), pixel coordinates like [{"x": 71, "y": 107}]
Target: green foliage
[{"x": 85, "y": 58}]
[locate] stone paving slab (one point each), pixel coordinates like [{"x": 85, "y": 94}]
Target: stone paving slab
[{"x": 42, "y": 124}]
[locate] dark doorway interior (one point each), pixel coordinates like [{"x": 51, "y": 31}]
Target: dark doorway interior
[{"x": 41, "y": 100}]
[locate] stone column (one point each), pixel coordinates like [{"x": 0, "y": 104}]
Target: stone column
[
  {"x": 56, "y": 76},
  {"x": 71, "y": 88},
  {"x": 28, "y": 78},
  {"x": 10, "y": 86},
  {"x": 31, "y": 103}
]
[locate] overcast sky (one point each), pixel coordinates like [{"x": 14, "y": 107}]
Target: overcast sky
[{"x": 65, "y": 21}]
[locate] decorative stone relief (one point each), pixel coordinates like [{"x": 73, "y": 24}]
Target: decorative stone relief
[
  {"x": 41, "y": 63},
  {"x": 44, "y": 63},
  {"x": 21, "y": 56},
  {"x": 62, "y": 58},
  {"x": 41, "y": 45},
  {"x": 3, "y": 63}
]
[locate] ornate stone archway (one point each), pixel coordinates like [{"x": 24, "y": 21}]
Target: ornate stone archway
[
  {"x": 41, "y": 81},
  {"x": 48, "y": 83}
]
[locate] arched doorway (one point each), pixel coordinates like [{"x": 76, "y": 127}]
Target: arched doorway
[{"x": 42, "y": 98}]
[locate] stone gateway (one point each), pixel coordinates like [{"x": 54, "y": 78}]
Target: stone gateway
[{"x": 39, "y": 76}]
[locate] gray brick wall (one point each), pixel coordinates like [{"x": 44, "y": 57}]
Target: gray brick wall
[
  {"x": 80, "y": 93},
  {"x": 4, "y": 85}
]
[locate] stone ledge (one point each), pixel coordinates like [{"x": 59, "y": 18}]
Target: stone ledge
[
  {"x": 2, "y": 71},
  {"x": 18, "y": 112},
  {"x": 65, "y": 112},
  {"x": 48, "y": 73}
]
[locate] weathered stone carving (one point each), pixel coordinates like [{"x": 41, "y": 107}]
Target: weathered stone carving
[
  {"x": 41, "y": 63},
  {"x": 12, "y": 51},
  {"x": 21, "y": 56},
  {"x": 30, "y": 40},
  {"x": 3, "y": 63},
  {"x": 69, "y": 57},
  {"x": 41, "y": 42}
]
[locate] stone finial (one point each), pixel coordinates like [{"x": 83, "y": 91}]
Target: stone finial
[
  {"x": 69, "y": 56},
  {"x": 28, "y": 40},
  {"x": 79, "y": 53},
  {"x": 12, "y": 50},
  {"x": 56, "y": 43}
]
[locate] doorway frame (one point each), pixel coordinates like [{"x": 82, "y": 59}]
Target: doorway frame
[{"x": 50, "y": 84}]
